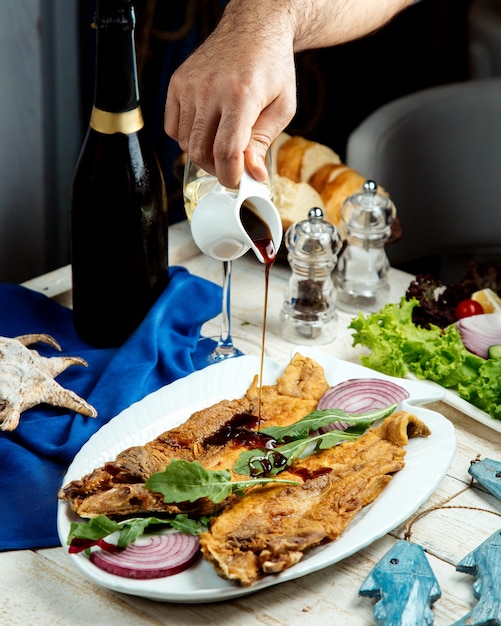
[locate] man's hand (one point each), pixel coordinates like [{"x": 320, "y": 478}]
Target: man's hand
[{"x": 230, "y": 99}]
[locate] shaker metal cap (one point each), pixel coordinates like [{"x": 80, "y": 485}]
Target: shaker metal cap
[
  {"x": 368, "y": 210},
  {"x": 313, "y": 239}
]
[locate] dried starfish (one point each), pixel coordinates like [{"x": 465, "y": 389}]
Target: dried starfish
[{"x": 27, "y": 379}]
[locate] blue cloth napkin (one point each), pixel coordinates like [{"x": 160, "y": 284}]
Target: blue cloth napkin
[{"x": 34, "y": 457}]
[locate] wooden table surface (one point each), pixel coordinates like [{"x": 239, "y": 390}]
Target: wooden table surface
[{"x": 42, "y": 587}]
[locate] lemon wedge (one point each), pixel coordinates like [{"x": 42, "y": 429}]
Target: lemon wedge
[{"x": 489, "y": 300}]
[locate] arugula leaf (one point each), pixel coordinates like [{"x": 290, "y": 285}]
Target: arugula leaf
[
  {"x": 87, "y": 534},
  {"x": 190, "y": 526},
  {"x": 187, "y": 481},
  {"x": 325, "y": 417},
  {"x": 260, "y": 461},
  {"x": 131, "y": 531},
  {"x": 94, "y": 529},
  {"x": 271, "y": 462},
  {"x": 333, "y": 437}
]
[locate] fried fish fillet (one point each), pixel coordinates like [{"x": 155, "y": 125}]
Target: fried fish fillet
[
  {"x": 270, "y": 529},
  {"x": 117, "y": 488}
]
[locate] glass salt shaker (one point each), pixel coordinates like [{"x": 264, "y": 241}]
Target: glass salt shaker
[
  {"x": 361, "y": 273},
  {"x": 309, "y": 313}
]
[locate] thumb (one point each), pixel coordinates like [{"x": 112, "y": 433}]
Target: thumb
[{"x": 255, "y": 158}]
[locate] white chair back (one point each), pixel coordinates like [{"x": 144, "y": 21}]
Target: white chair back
[{"x": 438, "y": 154}]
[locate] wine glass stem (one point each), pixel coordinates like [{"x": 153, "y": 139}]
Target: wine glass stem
[{"x": 225, "y": 340}]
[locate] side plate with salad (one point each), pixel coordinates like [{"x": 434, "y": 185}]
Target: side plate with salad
[{"x": 450, "y": 336}]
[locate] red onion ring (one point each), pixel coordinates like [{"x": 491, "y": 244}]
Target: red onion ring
[
  {"x": 480, "y": 332},
  {"x": 155, "y": 557},
  {"x": 359, "y": 395}
]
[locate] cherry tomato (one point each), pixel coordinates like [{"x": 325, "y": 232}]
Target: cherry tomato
[{"x": 466, "y": 308}]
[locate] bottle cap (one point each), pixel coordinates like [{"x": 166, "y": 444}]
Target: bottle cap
[
  {"x": 368, "y": 212},
  {"x": 313, "y": 240},
  {"x": 116, "y": 13}
]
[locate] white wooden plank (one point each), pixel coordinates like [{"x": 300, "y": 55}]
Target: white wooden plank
[{"x": 36, "y": 591}]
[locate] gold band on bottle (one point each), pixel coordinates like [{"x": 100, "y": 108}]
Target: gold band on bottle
[{"x": 108, "y": 123}]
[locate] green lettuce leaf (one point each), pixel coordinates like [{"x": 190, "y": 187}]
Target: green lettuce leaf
[
  {"x": 399, "y": 347},
  {"x": 485, "y": 391}
]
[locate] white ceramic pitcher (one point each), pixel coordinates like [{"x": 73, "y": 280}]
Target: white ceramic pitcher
[{"x": 216, "y": 224}]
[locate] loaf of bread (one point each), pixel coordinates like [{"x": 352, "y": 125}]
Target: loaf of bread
[
  {"x": 294, "y": 200},
  {"x": 298, "y": 158},
  {"x": 335, "y": 182},
  {"x": 304, "y": 162}
]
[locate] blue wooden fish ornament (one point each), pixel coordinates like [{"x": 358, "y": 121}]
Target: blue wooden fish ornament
[
  {"x": 488, "y": 473},
  {"x": 405, "y": 585},
  {"x": 485, "y": 564}
]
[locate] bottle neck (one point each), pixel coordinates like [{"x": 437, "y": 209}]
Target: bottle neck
[{"x": 116, "y": 98}]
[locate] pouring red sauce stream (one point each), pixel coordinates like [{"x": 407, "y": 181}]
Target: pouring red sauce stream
[{"x": 260, "y": 234}]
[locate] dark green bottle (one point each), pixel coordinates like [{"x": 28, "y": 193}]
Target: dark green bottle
[{"x": 119, "y": 203}]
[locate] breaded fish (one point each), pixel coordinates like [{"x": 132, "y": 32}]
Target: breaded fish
[
  {"x": 117, "y": 488},
  {"x": 270, "y": 529}
]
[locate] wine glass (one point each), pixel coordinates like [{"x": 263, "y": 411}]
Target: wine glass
[{"x": 197, "y": 183}]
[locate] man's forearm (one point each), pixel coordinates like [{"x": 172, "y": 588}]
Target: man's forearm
[{"x": 307, "y": 24}]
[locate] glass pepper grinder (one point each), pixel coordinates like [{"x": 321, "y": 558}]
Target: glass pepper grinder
[
  {"x": 309, "y": 314},
  {"x": 361, "y": 273}
]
